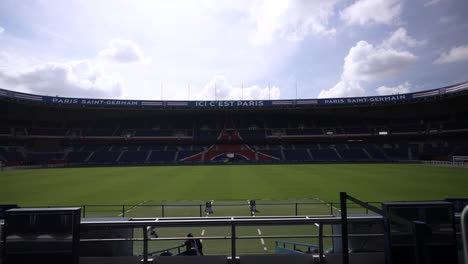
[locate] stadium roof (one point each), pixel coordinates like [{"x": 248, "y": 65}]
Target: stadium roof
[{"x": 112, "y": 103}]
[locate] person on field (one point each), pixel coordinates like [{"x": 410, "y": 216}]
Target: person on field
[{"x": 193, "y": 247}]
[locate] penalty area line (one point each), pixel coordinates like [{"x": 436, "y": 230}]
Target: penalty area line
[
  {"x": 133, "y": 207},
  {"x": 262, "y": 241}
]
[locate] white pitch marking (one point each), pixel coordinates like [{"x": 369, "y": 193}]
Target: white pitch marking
[
  {"x": 263, "y": 241},
  {"x": 336, "y": 208},
  {"x": 265, "y": 249},
  {"x": 133, "y": 207},
  {"x": 259, "y": 231},
  {"x": 203, "y": 232}
]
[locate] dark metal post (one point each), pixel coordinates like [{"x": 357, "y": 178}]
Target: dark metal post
[
  {"x": 296, "y": 209},
  {"x": 367, "y": 209},
  {"x": 84, "y": 211},
  {"x": 331, "y": 208},
  {"x": 123, "y": 210},
  {"x": 233, "y": 244},
  {"x": 321, "y": 243},
  {"x": 162, "y": 210},
  {"x": 419, "y": 229},
  {"x": 344, "y": 228},
  {"x": 145, "y": 245},
  {"x": 200, "y": 206}
]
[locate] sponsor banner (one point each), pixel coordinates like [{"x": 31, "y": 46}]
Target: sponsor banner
[
  {"x": 28, "y": 96},
  {"x": 365, "y": 100},
  {"x": 85, "y": 101},
  {"x": 306, "y": 102},
  {"x": 426, "y": 94},
  {"x": 290, "y": 102},
  {"x": 228, "y": 104},
  {"x": 151, "y": 103},
  {"x": 456, "y": 88},
  {"x": 232, "y": 103}
]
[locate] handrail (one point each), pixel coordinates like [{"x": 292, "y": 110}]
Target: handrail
[
  {"x": 232, "y": 222},
  {"x": 464, "y": 228},
  {"x": 123, "y": 208}
]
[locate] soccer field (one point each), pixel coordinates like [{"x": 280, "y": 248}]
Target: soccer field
[
  {"x": 183, "y": 190},
  {"x": 135, "y": 185}
]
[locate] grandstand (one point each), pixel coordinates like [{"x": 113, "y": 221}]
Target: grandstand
[
  {"x": 39, "y": 131},
  {"x": 53, "y": 131}
]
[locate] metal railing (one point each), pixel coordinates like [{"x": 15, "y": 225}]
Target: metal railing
[
  {"x": 464, "y": 229},
  {"x": 417, "y": 228},
  {"x": 233, "y": 223},
  {"x": 164, "y": 210}
]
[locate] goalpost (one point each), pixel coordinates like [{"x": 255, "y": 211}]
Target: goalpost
[{"x": 460, "y": 160}]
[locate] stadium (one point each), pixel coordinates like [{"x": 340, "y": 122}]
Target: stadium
[{"x": 123, "y": 181}]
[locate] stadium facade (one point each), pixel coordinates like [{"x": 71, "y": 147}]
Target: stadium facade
[{"x": 38, "y": 130}]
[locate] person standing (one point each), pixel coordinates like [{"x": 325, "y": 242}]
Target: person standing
[{"x": 193, "y": 247}]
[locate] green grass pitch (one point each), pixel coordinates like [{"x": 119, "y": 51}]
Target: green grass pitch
[
  {"x": 149, "y": 187},
  {"x": 133, "y": 185}
]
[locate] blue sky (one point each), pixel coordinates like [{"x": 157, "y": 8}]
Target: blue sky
[{"x": 231, "y": 50}]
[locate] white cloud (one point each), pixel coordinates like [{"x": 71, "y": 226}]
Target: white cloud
[
  {"x": 291, "y": 19},
  {"x": 2, "y": 30},
  {"x": 431, "y": 3},
  {"x": 456, "y": 54},
  {"x": 73, "y": 79},
  {"x": 227, "y": 91},
  {"x": 344, "y": 88},
  {"x": 400, "y": 38},
  {"x": 122, "y": 51},
  {"x": 400, "y": 89},
  {"x": 444, "y": 20},
  {"x": 365, "y": 62},
  {"x": 364, "y": 12}
]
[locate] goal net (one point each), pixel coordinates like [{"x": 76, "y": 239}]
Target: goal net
[{"x": 459, "y": 160}]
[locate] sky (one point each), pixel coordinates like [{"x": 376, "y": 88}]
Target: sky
[{"x": 231, "y": 50}]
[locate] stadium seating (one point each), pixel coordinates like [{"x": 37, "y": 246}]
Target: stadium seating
[
  {"x": 105, "y": 157},
  {"x": 41, "y": 131},
  {"x": 354, "y": 154},
  {"x": 183, "y": 154},
  {"x": 315, "y": 133},
  {"x": 158, "y": 156},
  {"x": 375, "y": 153},
  {"x": 296, "y": 155},
  {"x": 397, "y": 152},
  {"x": 99, "y": 132},
  {"x": 77, "y": 157},
  {"x": 325, "y": 155},
  {"x": 5, "y": 131},
  {"x": 42, "y": 158}
]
